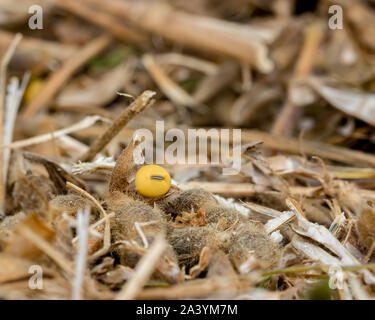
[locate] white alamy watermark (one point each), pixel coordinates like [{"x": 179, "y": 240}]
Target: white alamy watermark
[
  {"x": 336, "y": 278},
  {"x": 36, "y": 20},
  {"x": 337, "y": 18},
  {"x": 197, "y": 145},
  {"x": 36, "y": 280}
]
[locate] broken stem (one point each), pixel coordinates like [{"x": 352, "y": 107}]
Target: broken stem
[
  {"x": 3, "y": 80},
  {"x": 140, "y": 104}
]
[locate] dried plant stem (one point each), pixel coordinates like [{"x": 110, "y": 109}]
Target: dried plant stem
[
  {"x": 83, "y": 124},
  {"x": 143, "y": 270},
  {"x": 96, "y": 224},
  {"x": 104, "y": 20},
  {"x": 289, "y": 114},
  {"x": 174, "y": 92},
  {"x": 80, "y": 265},
  {"x": 88, "y": 196},
  {"x": 244, "y": 189},
  {"x": 319, "y": 149},
  {"x": 248, "y": 189},
  {"x": 59, "y": 78},
  {"x": 140, "y": 104},
  {"x": 369, "y": 253},
  {"x": 212, "y": 84},
  {"x": 103, "y": 164},
  {"x": 305, "y": 62},
  {"x": 200, "y": 32},
  {"x": 107, "y": 227},
  {"x": 275, "y": 223},
  {"x": 37, "y": 46},
  {"x": 102, "y": 220},
  {"x": 324, "y": 268},
  {"x": 262, "y": 209},
  {"x": 196, "y": 288},
  {"x": 3, "y": 80},
  {"x": 14, "y": 96},
  {"x": 191, "y": 62}
]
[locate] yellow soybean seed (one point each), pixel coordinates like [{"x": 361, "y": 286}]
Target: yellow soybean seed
[{"x": 152, "y": 181}]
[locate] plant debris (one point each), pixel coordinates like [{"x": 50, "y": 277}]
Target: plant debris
[{"x": 81, "y": 100}]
